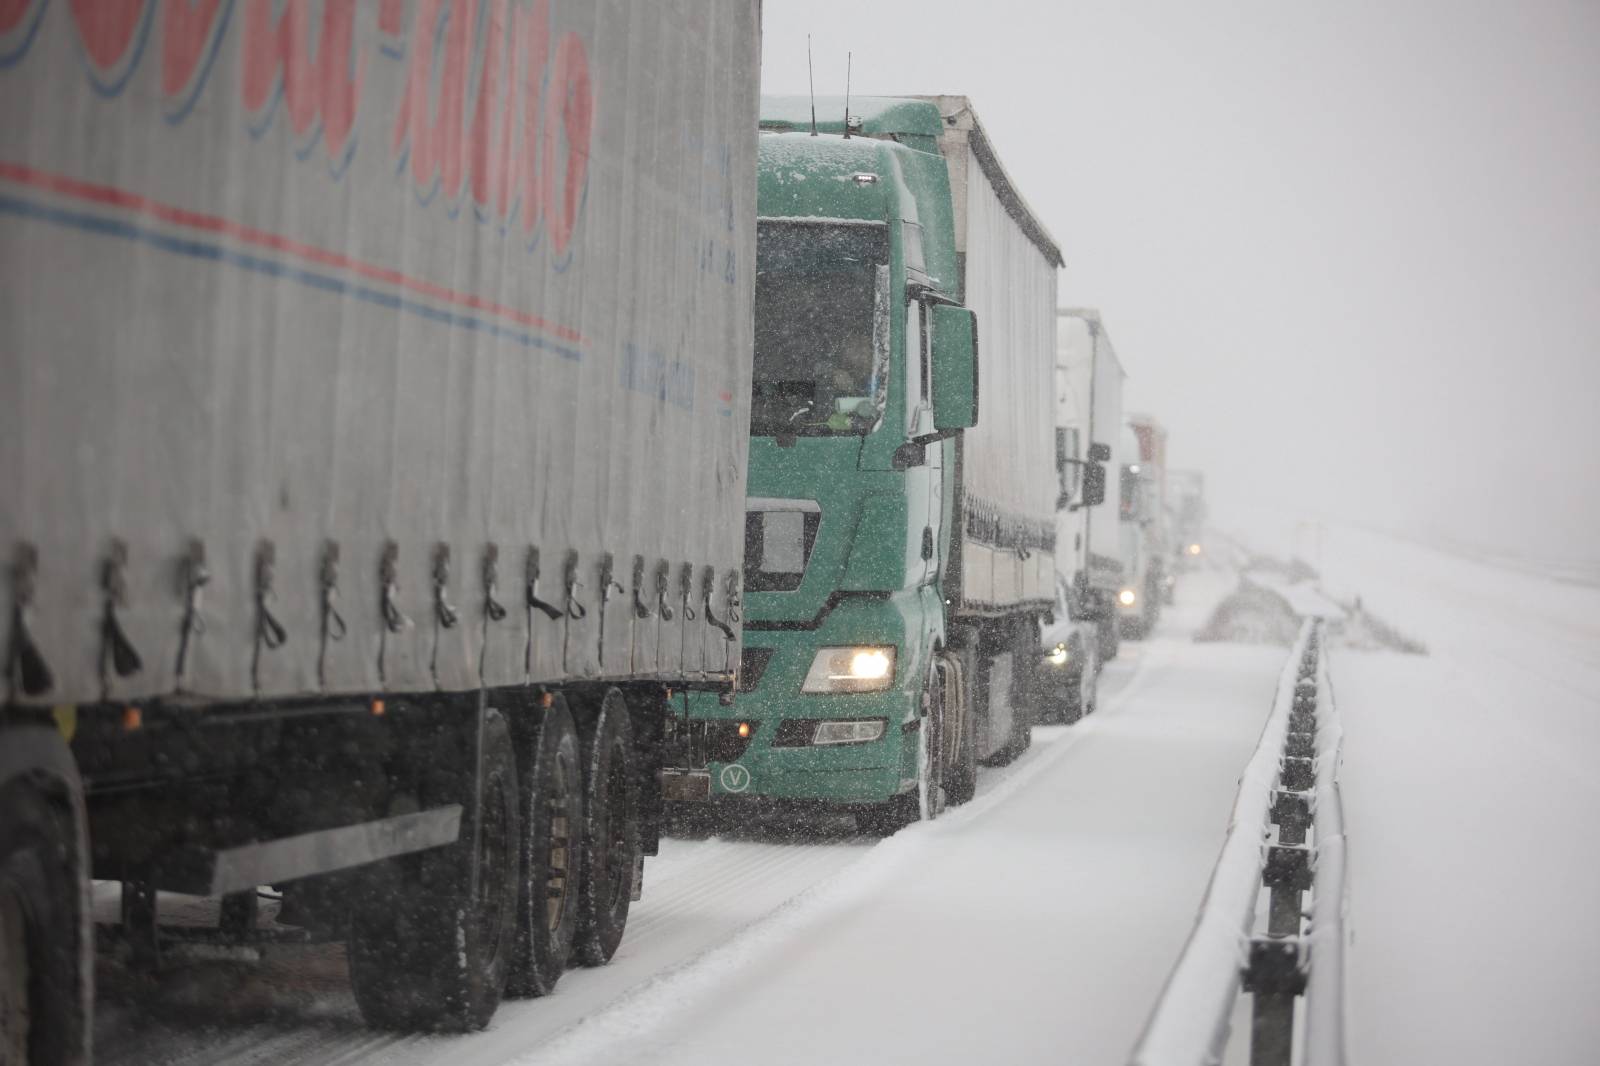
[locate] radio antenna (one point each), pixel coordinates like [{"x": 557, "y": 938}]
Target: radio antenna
[
  {"x": 847, "y": 58},
  {"x": 813, "y": 79}
]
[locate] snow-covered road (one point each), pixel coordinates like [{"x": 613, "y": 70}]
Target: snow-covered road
[{"x": 1036, "y": 923}]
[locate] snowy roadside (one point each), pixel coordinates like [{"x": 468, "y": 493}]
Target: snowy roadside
[{"x": 1470, "y": 793}]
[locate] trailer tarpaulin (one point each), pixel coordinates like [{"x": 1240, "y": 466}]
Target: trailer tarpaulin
[{"x": 387, "y": 346}]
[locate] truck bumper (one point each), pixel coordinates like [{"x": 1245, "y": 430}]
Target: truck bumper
[{"x": 778, "y": 760}]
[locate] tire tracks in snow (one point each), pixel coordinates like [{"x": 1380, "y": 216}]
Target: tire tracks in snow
[{"x": 622, "y": 1030}]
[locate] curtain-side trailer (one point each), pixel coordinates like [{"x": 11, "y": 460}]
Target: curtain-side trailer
[
  {"x": 1000, "y": 582},
  {"x": 372, "y": 467}
]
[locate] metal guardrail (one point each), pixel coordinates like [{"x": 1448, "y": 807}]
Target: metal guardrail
[{"x": 1291, "y": 782}]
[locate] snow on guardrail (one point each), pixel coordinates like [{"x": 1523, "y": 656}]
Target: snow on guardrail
[{"x": 1291, "y": 781}]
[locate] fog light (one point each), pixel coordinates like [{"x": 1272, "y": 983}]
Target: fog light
[
  {"x": 849, "y": 731},
  {"x": 1058, "y": 655},
  {"x": 850, "y": 669},
  {"x": 1126, "y": 597}
]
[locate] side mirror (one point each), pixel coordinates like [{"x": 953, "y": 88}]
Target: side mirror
[
  {"x": 1094, "y": 482},
  {"x": 1100, "y": 453},
  {"x": 955, "y": 368}
]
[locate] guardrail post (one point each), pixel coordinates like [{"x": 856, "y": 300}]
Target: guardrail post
[
  {"x": 1274, "y": 978},
  {"x": 1288, "y": 874},
  {"x": 1275, "y": 975}
]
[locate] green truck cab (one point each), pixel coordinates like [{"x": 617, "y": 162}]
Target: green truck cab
[{"x": 869, "y": 661}]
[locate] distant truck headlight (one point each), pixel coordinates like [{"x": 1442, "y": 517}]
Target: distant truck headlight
[
  {"x": 1194, "y": 549},
  {"x": 852, "y": 669},
  {"x": 1058, "y": 655},
  {"x": 1126, "y": 597},
  {"x": 849, "y": 731}
]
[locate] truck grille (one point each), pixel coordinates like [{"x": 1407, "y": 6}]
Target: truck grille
[{"x": 778, "y": 538}]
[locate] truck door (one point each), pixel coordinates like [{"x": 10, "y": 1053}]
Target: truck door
[{"x": 919, "y": 421}]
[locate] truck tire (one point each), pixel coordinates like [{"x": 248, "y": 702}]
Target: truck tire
[
  {"x": 1080, "y": 695},
  {"x": 1026, "y": 667},
  {"x": 1110, "y": 634},
  {"x": 889, "y": 818},
  {"x": 46, "y": 954},
  {"x": 610, "y": 831},
  {"x": 961, "y": 782},
  {"x": 426, "y": 951},
  {"x": 1022, "y": 644},
  {"x": 551, "y": 781}
]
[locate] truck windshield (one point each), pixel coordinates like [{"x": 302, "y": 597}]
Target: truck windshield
[{"x": 822, "y": 328}]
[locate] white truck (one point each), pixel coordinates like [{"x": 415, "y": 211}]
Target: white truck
[
  {"x": 1082, "y": 632},
  {"x": 372, "y": 470}
]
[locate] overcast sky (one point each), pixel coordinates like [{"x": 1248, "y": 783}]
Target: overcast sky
[{"x": 1348, "y": 252}]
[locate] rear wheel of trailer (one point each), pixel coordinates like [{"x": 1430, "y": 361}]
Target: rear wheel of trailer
[
  {"x": 550, "y": 773},
  {"x": 432, "y": 940},
  {"x": 46, "y": 960},
  {"x": 610, "y": 829}
]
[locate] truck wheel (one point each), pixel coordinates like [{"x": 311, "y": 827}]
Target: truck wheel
[
  {"x": 961, "y": 782},
  {"x": 889, "y": 818},
  {"x": 610, "y": 831},
  {"x": 547, "y": 890},
  {"x": 1023, "y": 668},
  {"x": 1027, "y": 673},
  {"x": 1079, "y": 700},
  {"x": 1110, "y": 637},
  {"x": 426, "y": 950},
  {"x": 46, "y": 959}
]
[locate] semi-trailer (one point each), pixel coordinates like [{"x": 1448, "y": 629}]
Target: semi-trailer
[
  {"x": 899, "y": 542},
  {"x": 372, "y": 475}
]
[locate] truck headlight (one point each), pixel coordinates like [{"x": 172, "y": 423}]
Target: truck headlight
[
  {"x": 852, "y": 669},
  {"x": 1194, "y": 549},
  {"x": 1126, "y": 597},
  {"x": 1058, "y": 655},
  {"x": 849, "y": 731}
]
